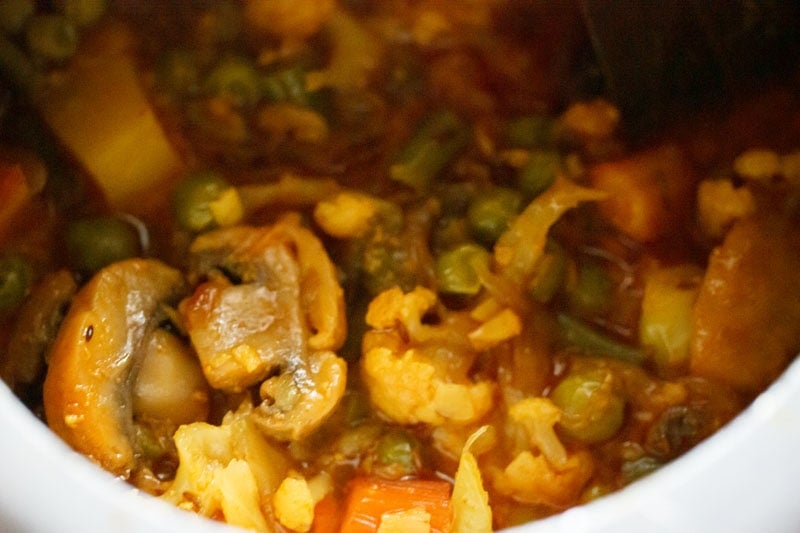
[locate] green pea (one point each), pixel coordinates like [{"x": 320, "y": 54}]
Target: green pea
[
  {"x": 434, "y": 145},
  {"x": 539, "y": 173},
  {"x": 592, "y": 411},
  {"x": 491, "y": 214},
  {"x": 592, "y": 289},
  {"x": 399, "y": 449},
  {"x": 15, "y": 281},
  {"x": 179, "y": 72},
  {"x": 52, "y": 37},
  {"x": 235, "y": 79},
  {"x": 530, "y": 131},
  {"x": 385, "y": 264},
  {"x": 93, "y": 243},
  {"x": 14, "y": 14},
  {"x": 590, "y": 341},
  {"x": 82, "y": 12},
  {"x": 456, "y": 269},
  {"x": 193, "y": 197}
]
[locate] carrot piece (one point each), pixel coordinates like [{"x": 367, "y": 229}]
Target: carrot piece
[
  {"x": 327, "y": 515},
  {"x": 649, "y": 192},
  {"x": 371, "y": 498}
]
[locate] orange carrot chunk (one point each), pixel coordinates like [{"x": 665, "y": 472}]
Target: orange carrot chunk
[
  {"x": 371, "y": 498},
  {"x": 327, "y": 515}
]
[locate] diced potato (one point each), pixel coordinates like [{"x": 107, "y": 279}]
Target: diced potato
[
  {"x": 757, "y": 165},
  {"x": 744, "y": 328},
  {"x": 648, "y": 192},
  {"x": 100, "y": 112},
  {"x": 405, "y": 521},
  {"x": 665, "y": 325},
  {"x": 503, "y": 326},
  {"x": 720, "y": 204}
]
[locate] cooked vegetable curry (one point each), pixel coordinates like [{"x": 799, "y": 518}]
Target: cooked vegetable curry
[{"x": 386, "y": 266}]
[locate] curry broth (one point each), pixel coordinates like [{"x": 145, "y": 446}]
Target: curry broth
[{"x": 396, "y": 240}]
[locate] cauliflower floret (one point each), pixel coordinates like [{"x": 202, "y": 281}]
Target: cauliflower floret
[
  {"x": 294, "y": 504},
  {"x": 355, "y": 55},
  {"x": 539, "y": 416},
  {"x": 532, "y": 479},
  {"x": 419, "y": 373},
  {"x": 552, "y": 476},
  {"x": 407, "y": 389},
  {"x": 346, "y": 215},
  {"x": 392, "y": 306},
  {"x": 229, "y": 470}
]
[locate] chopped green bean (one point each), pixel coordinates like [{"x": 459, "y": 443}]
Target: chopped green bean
[
  {"x": 93, "y": 243},
  {"x": 52, "y": 37},
  {"x": 456, "y": 269},
  {"x": 592, "y": 290},
  {"x": 14, "y": 14},
  {"x": 15, "y": 281},
  {"x": 437, "y": 141},
  {"x": 577, "y": 334},
  {"x": 491, "y": 214},
  {"x": 592, "y": 411},
  {"x": 539, "y": 173},
  {"x": 235, "y": 79}
]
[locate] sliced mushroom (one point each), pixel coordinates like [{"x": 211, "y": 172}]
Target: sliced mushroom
[
  {"x": 89, "y": 388},
  {"x": 35, "y": 329},
  {"x": 271, "y": 311}
]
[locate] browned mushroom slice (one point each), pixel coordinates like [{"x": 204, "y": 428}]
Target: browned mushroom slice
[
  {"x": 35, "y": 330},
  {"x": 88, "y": 391},
  {"x": 745, "y": 326},
  {"x": 271, "y": 311}
]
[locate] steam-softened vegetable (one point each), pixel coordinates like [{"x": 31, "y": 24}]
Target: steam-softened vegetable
[
  {"x": 88, "y": 392},
  {"x": 325, "y": 267},
  {"x": 592, "y": 410},
  {"x": 277, "y": 327},
  {"x": 101, "y": 113},
  {"x": 93, "y": 243}
]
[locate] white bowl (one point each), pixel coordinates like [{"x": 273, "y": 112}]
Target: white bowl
[{"x": 743, "y": 479}]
